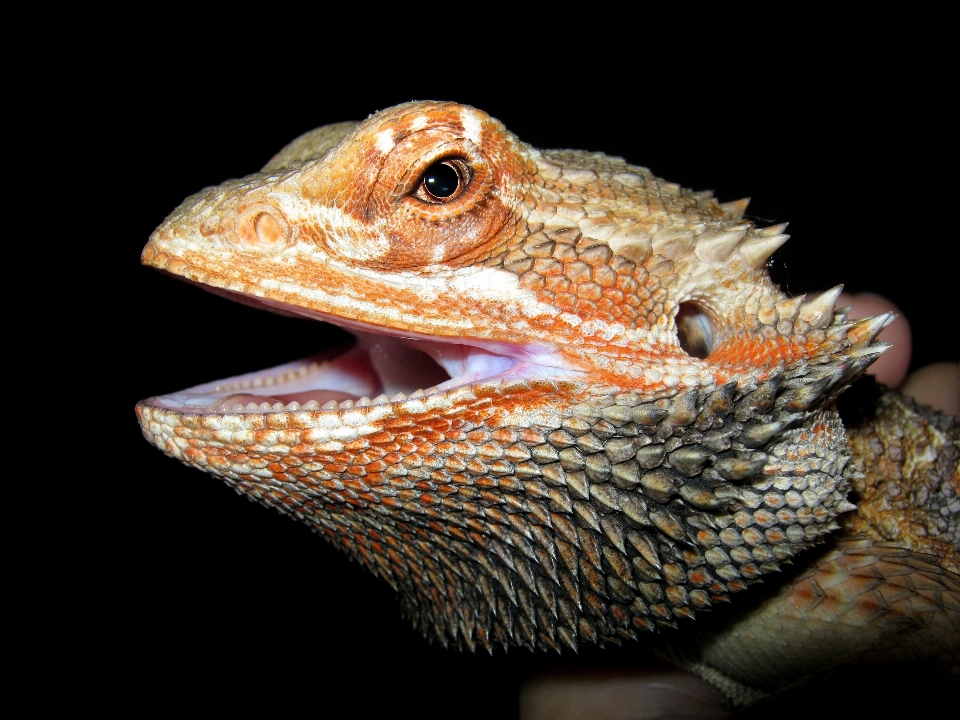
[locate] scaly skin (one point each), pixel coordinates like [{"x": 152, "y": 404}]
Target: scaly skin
[{"x": 639, "y": 423}]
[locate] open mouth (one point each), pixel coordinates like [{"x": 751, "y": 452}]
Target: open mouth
[{"x": 380, "y": 366}]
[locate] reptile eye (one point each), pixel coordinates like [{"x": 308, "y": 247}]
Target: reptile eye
[
  {"x": 694, "y": 330},
  {"x": 444, "y": 181}
]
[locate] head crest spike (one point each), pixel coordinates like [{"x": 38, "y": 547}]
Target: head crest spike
[
  {"x": 865, "y": 331},
  {"x": 735, "y": 209},
  {"x": 819, "y": 311},
  {"x": 757, "y": 250},
  {"x": 788, "y": 309},
  {"x": 772, "y": 230},
  {"x": 715, "y": 247},
  {"x": 840, "y": 314}
]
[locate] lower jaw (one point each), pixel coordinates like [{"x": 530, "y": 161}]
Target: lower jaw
[{"x": 376, "y": 370}]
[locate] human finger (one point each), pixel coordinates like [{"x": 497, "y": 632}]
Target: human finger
[
  {"x": 937, "y": 385},
  {"x": 622, "y": 694}
]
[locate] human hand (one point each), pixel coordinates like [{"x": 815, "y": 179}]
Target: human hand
[{"x": 937, "y": 385}]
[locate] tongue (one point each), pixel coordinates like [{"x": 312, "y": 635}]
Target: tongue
[
  {"x": 401, "y": 364},
  {"x": 404, "y": 365}
]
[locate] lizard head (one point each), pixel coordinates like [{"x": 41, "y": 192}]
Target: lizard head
[{"x": 577, "y": 406}]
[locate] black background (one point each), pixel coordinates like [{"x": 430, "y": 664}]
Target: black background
[{"x": 848, "y": 150}]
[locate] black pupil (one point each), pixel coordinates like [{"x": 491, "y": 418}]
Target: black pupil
[{"x": 441, "y": 180}]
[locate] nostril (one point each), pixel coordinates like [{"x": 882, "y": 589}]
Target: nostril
[
  {"x": 269, "y": 230},
  {"x": 263, "y": 228},
  {"x": 694, "y": 330}
]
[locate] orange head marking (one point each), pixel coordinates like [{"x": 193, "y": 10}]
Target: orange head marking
[{"x": 420, "y": 185}]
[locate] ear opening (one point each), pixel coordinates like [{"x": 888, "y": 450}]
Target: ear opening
[{"x": 694, "y": 330}]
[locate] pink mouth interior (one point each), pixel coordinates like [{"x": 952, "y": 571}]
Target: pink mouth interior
[
  {"x": 380, "y": 367},
  {"x": 377, "y": 365}
]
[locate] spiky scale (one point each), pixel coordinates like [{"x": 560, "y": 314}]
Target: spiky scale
[
  {"x": 819, "y": 312},
  {"x": 757, "y": 251}
]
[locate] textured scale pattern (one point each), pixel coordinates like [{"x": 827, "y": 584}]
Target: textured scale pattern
[
  {"x": 660, "y": 507},
  {"x": 859, "y": 602},
  {"x": 610, "y": 476},
  {"x": 910, "y": 489}
]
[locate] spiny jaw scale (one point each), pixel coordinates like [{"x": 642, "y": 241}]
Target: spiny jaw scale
[{"x": 378, "y": 369}]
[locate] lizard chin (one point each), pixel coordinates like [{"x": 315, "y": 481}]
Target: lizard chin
[{"x": 378, "y": 368}]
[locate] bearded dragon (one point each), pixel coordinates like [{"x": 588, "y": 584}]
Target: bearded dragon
[{"x": 577, "y": 409}]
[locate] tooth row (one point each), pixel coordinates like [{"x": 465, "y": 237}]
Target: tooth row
[
  {"x": 379, "y": 400},
  {"x": 330, "y": 405},
  {"x": 262, "y": 381}
]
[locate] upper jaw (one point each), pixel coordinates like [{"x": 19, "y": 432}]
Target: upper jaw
[{"x": 382, "y": 366}]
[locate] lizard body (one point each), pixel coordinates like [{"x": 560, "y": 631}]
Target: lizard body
[{"x": 632, "y": 423}]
